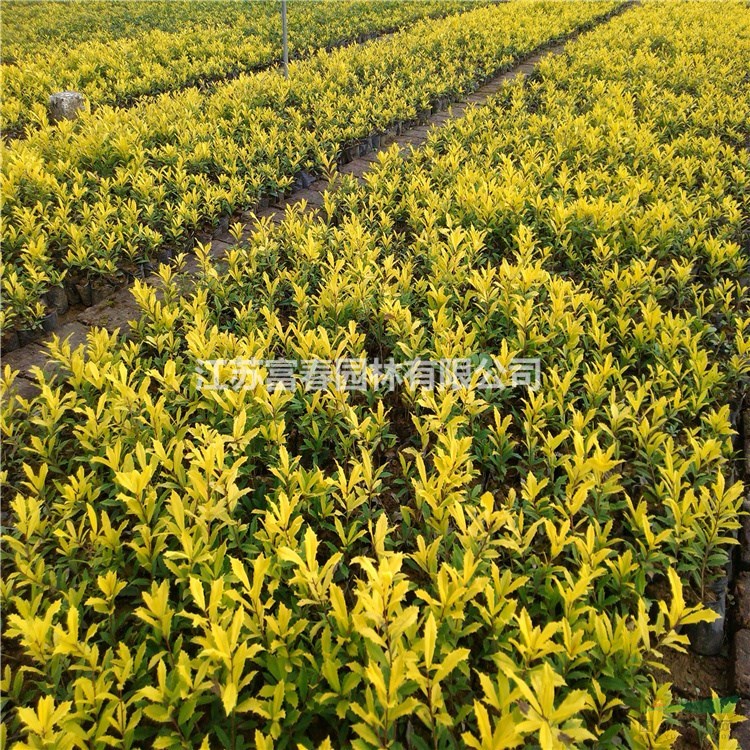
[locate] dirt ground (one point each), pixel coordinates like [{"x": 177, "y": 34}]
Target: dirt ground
[{"x": 693, "y": 677}]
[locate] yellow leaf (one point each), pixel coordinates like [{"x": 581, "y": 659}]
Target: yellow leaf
[
  {"x": 196, "y": 589},
  {"x": 430, "y": 635},
  {"x": 229, "y": 697}
]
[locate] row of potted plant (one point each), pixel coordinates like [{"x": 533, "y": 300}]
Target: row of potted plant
[
  {"x": 191, "y": 45},
  {"x": 473, "y": 563},
  {"x": 105, "y": 196}
]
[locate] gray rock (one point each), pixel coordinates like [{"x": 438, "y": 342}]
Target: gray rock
[{"x": 64, "y": 105}]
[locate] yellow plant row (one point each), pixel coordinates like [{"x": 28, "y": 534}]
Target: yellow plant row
[
  {"x": 95, "y": 198},
  {"x": 149, "y": 48},
  {"x": 412, "y": 567}
]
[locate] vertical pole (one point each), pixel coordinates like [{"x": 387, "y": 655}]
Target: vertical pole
[{"x": 284, "y": 39}]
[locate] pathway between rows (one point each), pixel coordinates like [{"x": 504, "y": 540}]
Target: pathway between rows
[{"x": 116, "y": 312}]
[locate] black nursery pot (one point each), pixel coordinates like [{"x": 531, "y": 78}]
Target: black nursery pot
[
  {"x": 144, "y": 269},
  {"x": 29, "y": 335},
  {"x": 85, "y": 293},
  {"x": 707, "y": 638},
  {"x": 49, "y": 321},
  {"x": 57, "y": 299},
  {"x": 275, "y": 196},
  {"x": 95, "y": 291},
  {"x": 388, "y": 136},
  {"x": 71, "y": 292},
  {"x": 9, "y": 342},
  {"x": 222, "y": 227},
  {"x": 164, "y": 255}
]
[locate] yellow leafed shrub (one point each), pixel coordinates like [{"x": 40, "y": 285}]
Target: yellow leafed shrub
[
  {"x": 405, "y": 567},
  {"x": 101, "y": 197},
  {"x": 114, "y": 52}
]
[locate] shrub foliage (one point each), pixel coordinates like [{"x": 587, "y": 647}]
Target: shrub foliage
[{"x": 417, "y": 569}]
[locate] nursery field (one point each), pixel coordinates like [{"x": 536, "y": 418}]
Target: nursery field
[
  {"x": 194, "y": 557},
  {"x": 115, "y": 52},
  {"x": 90, "y": 201}
]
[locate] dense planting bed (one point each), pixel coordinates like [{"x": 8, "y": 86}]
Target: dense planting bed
[
  {"x": 91, "y": 200},
  {"x": 114, "y": 51},
  {"x": 417, "y": 568}
]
